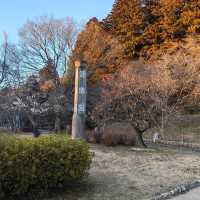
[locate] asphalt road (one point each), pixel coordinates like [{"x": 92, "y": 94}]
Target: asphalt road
[{"x": 192, "y": 195}]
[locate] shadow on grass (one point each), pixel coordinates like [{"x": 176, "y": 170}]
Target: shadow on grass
[{"x": 70, "y": 191}]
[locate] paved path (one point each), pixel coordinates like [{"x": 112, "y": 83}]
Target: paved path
[{"x": 192, "y": 195}]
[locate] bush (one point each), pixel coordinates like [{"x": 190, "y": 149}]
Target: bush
[
  {"x": 119, "y": 133},
  {"x": 39, "y": 164}
]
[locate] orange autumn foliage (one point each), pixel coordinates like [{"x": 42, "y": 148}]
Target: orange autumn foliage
[{"x": 47, "y": 86}]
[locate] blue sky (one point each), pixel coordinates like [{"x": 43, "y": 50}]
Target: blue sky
[{"x": 14, "y": 13}]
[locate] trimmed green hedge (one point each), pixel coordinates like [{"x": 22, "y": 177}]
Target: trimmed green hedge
[{"x": 40, "y": 164}]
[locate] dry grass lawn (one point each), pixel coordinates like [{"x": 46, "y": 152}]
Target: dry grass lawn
[{"x": 123, "y": 174}]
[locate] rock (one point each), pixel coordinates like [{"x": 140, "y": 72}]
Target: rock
[
  {"x": 119, "y": 134},
  {"x": 156, "y": 137}
]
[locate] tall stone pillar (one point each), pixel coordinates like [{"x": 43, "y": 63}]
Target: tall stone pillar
[{"x": 78, "y": 120}]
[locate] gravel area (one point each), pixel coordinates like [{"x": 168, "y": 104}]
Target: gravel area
[{"x": 125, "y": 173}]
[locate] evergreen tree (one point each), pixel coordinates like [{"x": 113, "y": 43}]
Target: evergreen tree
[
  {"x": 176, "y": 17},
  {"x": 128, "y": 20},
  {"x": 144, "y": 24}
]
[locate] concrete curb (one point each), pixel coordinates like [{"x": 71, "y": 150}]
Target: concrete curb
[{"x": 177, "y": 191}]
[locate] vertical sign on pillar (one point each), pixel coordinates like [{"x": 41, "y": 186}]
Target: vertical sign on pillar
[{"x": 78, "y": 121}]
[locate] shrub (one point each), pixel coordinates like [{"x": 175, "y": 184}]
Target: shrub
[
  {"x": 119, "y": 133},
  {"x": 39, "y": 164}
]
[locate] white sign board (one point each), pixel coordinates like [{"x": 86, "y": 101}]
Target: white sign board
[
  {"x": 82, "y": 74},
  {"x": 81, "y": 90},
  {"x": 81, "y": 108}
]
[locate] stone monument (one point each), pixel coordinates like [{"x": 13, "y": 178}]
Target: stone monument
[{"x": 78, "y": 120}]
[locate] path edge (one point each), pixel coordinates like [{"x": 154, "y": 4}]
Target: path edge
[{"x": 182, "y": 189}]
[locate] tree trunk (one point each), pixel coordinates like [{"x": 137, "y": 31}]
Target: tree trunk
[
  {"x": 57, "y": 125},
  {"x": 36, "y": 131},
  {"x": 141, "y": 140}
]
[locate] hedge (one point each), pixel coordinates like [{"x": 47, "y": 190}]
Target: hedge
[{"x": 40, "y": 164}]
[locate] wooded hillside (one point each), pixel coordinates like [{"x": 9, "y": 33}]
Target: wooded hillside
[
  {"x": 134, "y": 30},
  {"x": 161, "y": 35}
]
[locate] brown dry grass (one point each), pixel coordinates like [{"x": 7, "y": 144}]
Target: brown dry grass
[{"x": 121, "y": 174}]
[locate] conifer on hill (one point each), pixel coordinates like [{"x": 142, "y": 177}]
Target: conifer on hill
[
  {"x": 144, "y": 24},
  {"x": 177, "y": 18},
  {"x": 128, "y": 20}
]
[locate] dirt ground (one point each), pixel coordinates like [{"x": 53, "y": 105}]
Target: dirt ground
[{"x": 119, "y": 173}]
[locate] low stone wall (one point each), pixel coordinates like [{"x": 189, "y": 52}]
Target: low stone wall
[
  {"x": 177, "y": 191},
  {"x": 192, "y": 146}
]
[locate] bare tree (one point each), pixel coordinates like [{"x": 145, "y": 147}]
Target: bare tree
[
  {"x": 56, "y": 93},
  {"x": 10, "y": 61},
  {"x": 179, "y": 72},
  {"x": 47, "y": 38},
  {"x": 45, "y": 41},
  {"x": 49, "y": 42},
  {"x": 11, "y": 112},
  {"x": 31, "y": 101},
  {"x": 4, "y": 68},
  {"x": 143, "y": 95}
]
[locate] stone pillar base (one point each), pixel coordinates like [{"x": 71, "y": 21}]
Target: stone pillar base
[{"x": 77, "y": 127}]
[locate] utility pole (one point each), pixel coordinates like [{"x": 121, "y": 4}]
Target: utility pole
[{"x": 78, "y": 120}]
